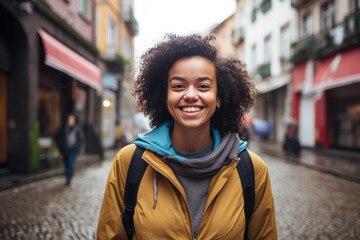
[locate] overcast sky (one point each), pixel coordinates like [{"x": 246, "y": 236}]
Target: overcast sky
[{"x": 157, "y": 17}]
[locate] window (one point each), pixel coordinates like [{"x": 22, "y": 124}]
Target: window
[
  {"x": 84, "y": 8},
  {"x": 110, "y": 37},
  {"x": 127, "y": 49},
  {"x": 285, "y": 42},
  {"x": 267, "y": 49},
  {"x": 253, "y": 58},
  {"x": 327, "y": 15},
  {"x": 354, "y": 5},
  {"x": 307, "y": 24}
]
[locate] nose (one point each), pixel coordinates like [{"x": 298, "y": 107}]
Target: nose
[{"x": 191, "y": 94}]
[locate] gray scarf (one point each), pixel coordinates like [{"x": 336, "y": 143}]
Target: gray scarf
[{"x": 209, "y": 165}]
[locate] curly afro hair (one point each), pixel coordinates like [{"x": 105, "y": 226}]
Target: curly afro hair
[{"x": 235, "y": 88}]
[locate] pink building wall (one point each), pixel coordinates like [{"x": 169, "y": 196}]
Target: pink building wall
[{"x": 69, "y": 12}]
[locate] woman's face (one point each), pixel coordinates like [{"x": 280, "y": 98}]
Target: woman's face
[{"x": 192, "y": 92}]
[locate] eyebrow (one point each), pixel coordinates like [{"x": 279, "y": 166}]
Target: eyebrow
[{"x": 183, "y": 79}]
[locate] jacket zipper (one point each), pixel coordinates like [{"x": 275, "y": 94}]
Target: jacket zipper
[{"x": 160, "y": 170}]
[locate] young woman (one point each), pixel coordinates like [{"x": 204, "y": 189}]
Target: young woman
[{"x": 191, "y": 188}]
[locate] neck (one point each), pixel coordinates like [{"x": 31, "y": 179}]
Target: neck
[{"x": 190, "y": 140}]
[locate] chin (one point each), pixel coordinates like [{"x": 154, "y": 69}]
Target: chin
[{"x": 193, "y": 125}]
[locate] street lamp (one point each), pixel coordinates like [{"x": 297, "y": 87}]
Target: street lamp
[{"x": 106, "y": 103}]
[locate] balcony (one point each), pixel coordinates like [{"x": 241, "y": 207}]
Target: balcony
[
  {"x": 265, "y": 5},
  {"x": 326, "y": 43},
  {"x": 352, "y": 25},
  {"x": 304, "y": 49},
  {"x": 130, "y": 21},
  {"x": 264, "y": 70}
]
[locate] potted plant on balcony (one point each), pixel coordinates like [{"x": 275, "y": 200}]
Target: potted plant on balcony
[{"x": 264, "y": 69}]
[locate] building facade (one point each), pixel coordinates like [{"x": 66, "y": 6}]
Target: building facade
[
  {"x": 326, "y": 76},
  {"x": 269, "y": 30},
  {"x": 48, "y": 69},
  {"x": 224, "y": 34},
  {"x": 116, "y": 28}
]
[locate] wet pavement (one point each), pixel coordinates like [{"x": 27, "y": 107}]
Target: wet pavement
[
  {"x": 309, "y": 204},
  {"x": 344, "y": 164}
]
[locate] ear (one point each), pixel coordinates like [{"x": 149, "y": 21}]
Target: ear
[{"x": 218, "y": 103}]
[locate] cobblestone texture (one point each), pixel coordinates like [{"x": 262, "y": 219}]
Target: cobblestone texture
[
  {"x": 313, "y": 205},
  {"x": 309, "y": 205}
]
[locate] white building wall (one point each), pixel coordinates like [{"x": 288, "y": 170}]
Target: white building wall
[
  {"x": 274, "y": 102},
  {"x": 267, "y": 23}
]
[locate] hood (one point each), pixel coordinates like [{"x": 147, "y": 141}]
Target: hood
[{"x": 158, "y": 140}]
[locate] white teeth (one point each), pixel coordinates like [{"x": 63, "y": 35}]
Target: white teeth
[{"x": 191, "y": 109}]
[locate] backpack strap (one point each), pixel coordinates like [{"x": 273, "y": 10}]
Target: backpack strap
[
  {"x": 135, "y": 173},
  {"x": 245, "y": 169}
]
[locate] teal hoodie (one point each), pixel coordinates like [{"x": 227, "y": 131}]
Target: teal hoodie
[{"x": 158, "y": 140}]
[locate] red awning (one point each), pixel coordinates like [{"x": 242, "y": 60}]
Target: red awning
[
  {"x": 340, "y": 70},
  {"x": 62, "y": 58}
]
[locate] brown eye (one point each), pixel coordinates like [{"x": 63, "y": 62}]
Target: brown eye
[
  {"x": 177, "y": 86},
  {"x": 204, "y": 86}
]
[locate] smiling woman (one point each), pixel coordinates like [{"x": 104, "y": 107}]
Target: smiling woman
[
  {"x": 195, "y": 101},
  {"x": 191, "y": 101}
]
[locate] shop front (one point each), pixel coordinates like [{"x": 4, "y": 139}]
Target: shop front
[
  {"x": 337, "y": 79},
  {"x": 326, "y": 101},
  {"x": 68, "y": 83}
]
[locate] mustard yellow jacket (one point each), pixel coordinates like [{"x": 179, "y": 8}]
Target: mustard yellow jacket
[{"x": 223, "y": 218}]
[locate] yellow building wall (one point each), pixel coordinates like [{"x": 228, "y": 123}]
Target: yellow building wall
[
  {"x": 224, "y": 38},
  {"x": 112, "y": 8}
]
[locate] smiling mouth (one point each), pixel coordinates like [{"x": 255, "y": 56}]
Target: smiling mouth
[{"x": 190, "y": 109}]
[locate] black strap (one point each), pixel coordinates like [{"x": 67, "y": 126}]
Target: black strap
[
  {"x": 245, "y": 168},
  {"x": 135, "y": 173}
]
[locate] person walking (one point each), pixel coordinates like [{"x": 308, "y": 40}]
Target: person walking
[
  {"x": 190, "y": 187},
  {"x": 68, "y": 139}
]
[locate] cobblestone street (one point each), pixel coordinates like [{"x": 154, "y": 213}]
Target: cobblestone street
[{"x": 309, "y": 205}]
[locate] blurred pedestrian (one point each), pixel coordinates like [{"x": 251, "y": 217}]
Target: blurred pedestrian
[
  {"x": 191, "y": 187},
  {"x": 68, "y": 140},
  {"x": 291, "y": 143}
]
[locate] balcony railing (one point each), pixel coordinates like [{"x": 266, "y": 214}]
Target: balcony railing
[
  {"x": 265, "y": 5},
  {"x": 264, "y": 70},
  {"x": 131, "y": 22},
  {"x": 329, "y": 41},
  {"x": 352, "y": 25}
]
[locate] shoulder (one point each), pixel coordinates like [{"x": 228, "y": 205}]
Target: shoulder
[
  {"x": 121, "y": 162},
  {"x": 261, "y": 176},
  {"x": 261, "y": 173},
  {"x": 259, "y": 165}
]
